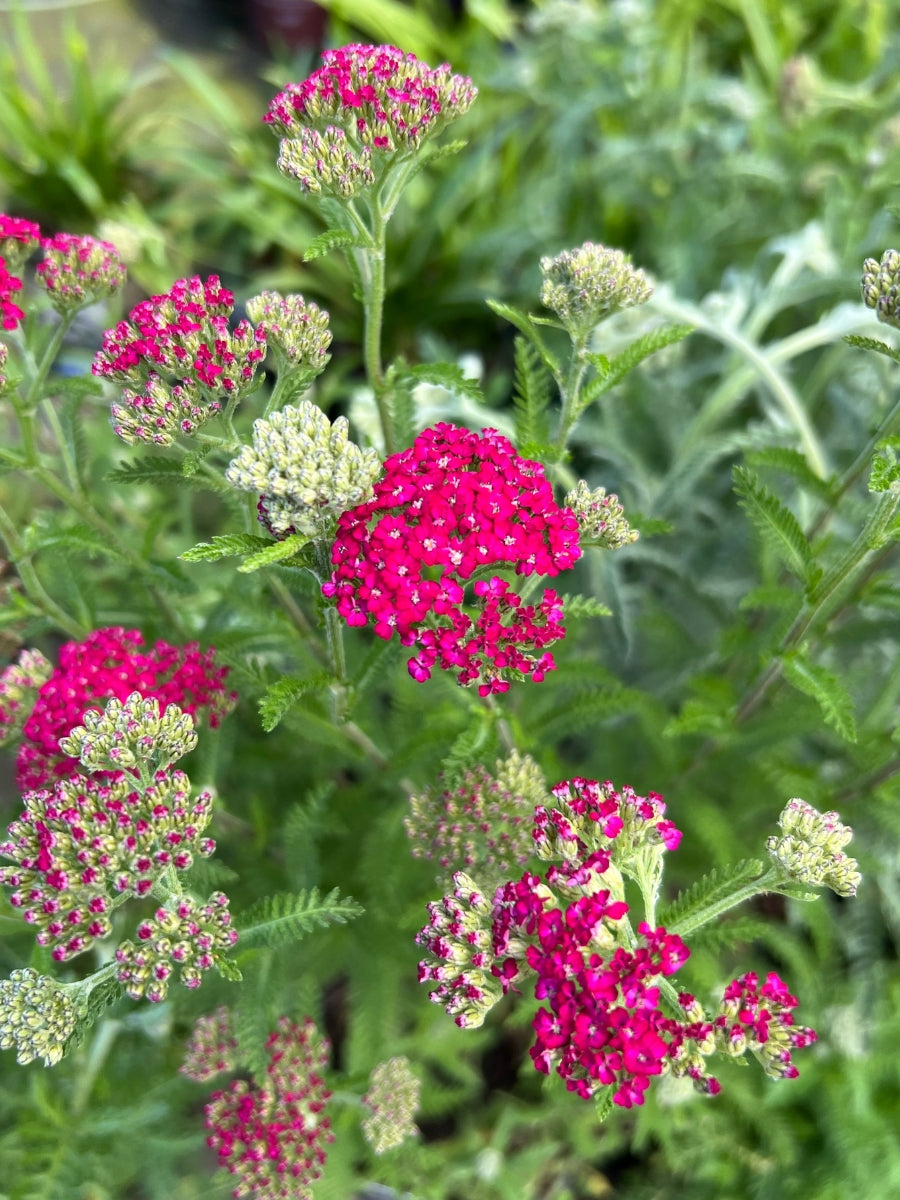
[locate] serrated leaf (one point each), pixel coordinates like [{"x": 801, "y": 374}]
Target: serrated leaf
[
  {"x": 446, "y": 375},
  {"x": 151, "y": 468},
  {"x": 709, "y": 897},
  {"x": 228, "y": 969},
  {"x": 797, "y": 891},
  {"x": 777, "y": 525},
  {"x": 282, "y": 694},
  {"x": 524, "y": 324},
  {"x": 275, "y": 552},
  {"x": 584, "y": 606},
  {"x": 769, "y": 595},
  {"x": 867, "y": 343},
  {"x": 225, "y": 545},
  {"x": 192, "y": 462},
  {"x": 825, "y": 688},
  {"x": 531, "y": 397},
  {"x": 287, "y": 917},
  {"x": 791, "y": 462},
  {"x": 328, "y": 240},
  {"x": 617, "y": 368},
  {"x": 603, "y": 1102}
]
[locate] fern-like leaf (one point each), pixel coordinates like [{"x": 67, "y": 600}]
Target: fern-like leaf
[
  {"x": 776, "y": 524},
  {"x": 275, "y": 552},
  {"x": 526, "y": 325},
  {"x": 446, "y": 375},
  {"x": 694, "y": 907},
  {"x": 287, "y": 917},
  {"x": 531, "y": 396},
  {"x": 149, "y": 468},
  {"x": 825, "y": 688},
  {"x": 328, "y": 240},
  {"x": 584, "y": 606},
  {"x": 225, "y": 545},
  {"x": 867, "y": 343},
  {"x": 282, "y": 695},
  {"x": 791, "y": 462},
  {"x": 611, "y": 371}
]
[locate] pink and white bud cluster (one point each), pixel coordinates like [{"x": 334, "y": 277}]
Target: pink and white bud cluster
[
  {"x": 181, "y": 339},
  {"x": 78, "y": 270},
  {"x": 454, "y": 503},
  {"x": 190, "y": 935},
  {"x": 295, "y": 329},
  {"x": 601, "y": 518},
  {"x": 760, "y": 1019},
  {"x": 810, "y": 848},
  {"x": 602, "y": 1024},
  {"x": 82, "y": 848},
  {"x": 114, "y": 662},
  {"x": 19, "y": 686},
  {"x": 272, "y": 1138},
  {"x": 212, "y": 1047},
  {"x": 484, "y": 823},
  {"x": 131, "y": 736},
  {"x": 18, "y": 238},
  {"x": 365, "y": 104}
]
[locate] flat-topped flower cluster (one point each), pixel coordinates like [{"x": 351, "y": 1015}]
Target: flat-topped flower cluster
[
  {"x": 609, "y": 1017},
  {"x": 453, "y": 504}
]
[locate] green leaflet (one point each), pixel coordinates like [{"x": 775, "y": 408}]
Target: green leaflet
[
  {"x": 825, "y": 688},
  {"x": 281, "y": 695},
  {"x": 531, "y": 396},
  {"x": 775, "y": 523},
  {"x": 287, "y": 917},
  {"x": 611, "y": 371},
  {"x": 329, "y": 239},
  {"x": 225, "y": 545},
  {"x": 700, "y": 902}
]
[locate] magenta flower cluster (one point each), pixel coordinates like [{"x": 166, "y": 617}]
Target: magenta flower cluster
[
  {"x": 602, "y": 1023},
  {"x": 388, "y": 97},
  {"x": 77, "y": 270},
  {"x": 109, "y": 663},
  {"x": 18, "y": 237},
  {"x": 184, "y": 334},
  {"x": 453, "y": 504},
  {"x": 273, "y": 1137},
  {"x": 10, "y": 313}
]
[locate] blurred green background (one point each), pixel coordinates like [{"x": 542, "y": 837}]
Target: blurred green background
[{"x": 746, "y": 153}]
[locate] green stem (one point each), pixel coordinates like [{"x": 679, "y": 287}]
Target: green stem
[
  {"x": 335, "y": 638},
  {"x": 35, "y": 590},
  {"x": 714, "y": 910},
  {"x": 47, "y": 360},
  {"x": 101, "y": 1046},
  {"x": 571, "y": 390}
]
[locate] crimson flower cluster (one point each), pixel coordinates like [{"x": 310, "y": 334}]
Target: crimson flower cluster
[
  {"x": 77, "y": 270},
  {"x": 114, "y": 662},
  {"x": 273, "y": 1137},
  {"x": 181, "y": 339},
  {"x": 10, "y": 313},
  {"x": 602, "y": 1023},
  {"x": 386, "y": 97},
  {"x": 456, "y": 503},
  {"x": 18, "y": 237}
]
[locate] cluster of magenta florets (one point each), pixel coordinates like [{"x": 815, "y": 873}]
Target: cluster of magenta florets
[
  {"x": 18, "y": 238},
  {"x": 272, "y": 1138},
  {"x": 110, "y": 663},
  {"x": 453, "y": 504},
  {"x": 385, "y": 97},
  {"x": 184, "y": 335},
  {"x": 602, "y": 1023},
  {"x": 78, "y": 270},
  {"x": 89, "y": 843},
  {"x": 11, "y": 315}
]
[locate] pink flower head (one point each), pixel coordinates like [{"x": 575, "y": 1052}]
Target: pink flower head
[
  {"x": 380, "y": 97},
  {"x": 114, "y": 662},
  {"x": 10, "y": 313},
  {"x": 77, "y": 271},
  {"x": 18, "y": 238},
  {"x": 183, "y": 337},
  {"x": 760, "y": 1019},
  {"x": 454, "y": 503},
  {"x": 273, "y": 1138}
]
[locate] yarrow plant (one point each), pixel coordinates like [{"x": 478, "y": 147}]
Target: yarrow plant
[{"x": 353, "y": 534}]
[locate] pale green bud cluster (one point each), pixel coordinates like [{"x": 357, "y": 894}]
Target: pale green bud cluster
[
  {"x": 304, "y": 469},
  {"x": 160, "y": 411},
  {"x": 296, "y": 329},
  {"x": 391, "y": 1103},
  {"x": 881, "y": 287},
  {"x": 130, "y": 735},
  {"x": 601, "y": 518},
  {"x": 810, "y": 848},
  {"x": 36, "y": 1017},
  {"x": 326, "y": 163},
  {"x": 585, "y": 285},
  {"x": 20, "y": 683}
]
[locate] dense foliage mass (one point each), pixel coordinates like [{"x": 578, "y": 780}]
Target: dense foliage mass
[{"x": 294, "y": 436}]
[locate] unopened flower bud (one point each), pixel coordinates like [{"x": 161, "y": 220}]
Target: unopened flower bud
[
  {"x": 130, "y": 734},
  {"x": 881, "y": 287},
  {"x": 326, "y": 163},
  {"x": 160, "y": 412},
  {"x": 305, "y": 470},
  {"x": 36, "y": 1016},
  {"x": 585, "y": 285},
  {"x": 4, "y": 381},
  {"x": 18, "y": 238},
  {"x": 20, "y": 682},
  {"x": 391, "y": 1103},
  {"x": 78, "y": 271},
  {"x": 212, "y": 1047},
  {"x": 601, "y": 518},
  {"x": 810, "y": 848},
  {"x": 296, "y": 329},
  {"x": 760, "y": 1019}
]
